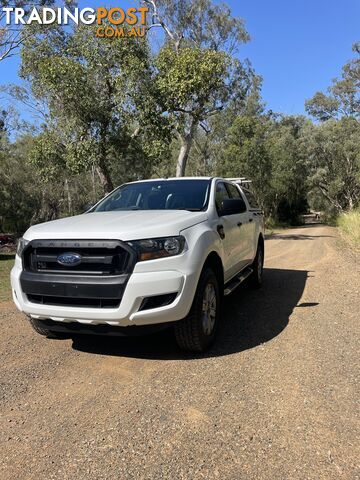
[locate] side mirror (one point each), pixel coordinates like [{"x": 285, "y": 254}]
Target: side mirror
[
  {"x": 232, "y": 206},
  {"x": 87, "y": 207}
]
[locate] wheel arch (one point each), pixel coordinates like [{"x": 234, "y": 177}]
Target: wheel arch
[
  {"x": 214, "y": 262},
  {"x": 261, "y": 241}
]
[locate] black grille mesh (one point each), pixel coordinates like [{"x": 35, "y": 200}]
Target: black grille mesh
[{"x": 95, "y": 260}]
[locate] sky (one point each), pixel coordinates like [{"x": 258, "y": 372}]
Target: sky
[{"x": 297, "y": 47}]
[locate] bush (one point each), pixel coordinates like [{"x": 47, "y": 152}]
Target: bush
[{"x": 349, "y": 224}]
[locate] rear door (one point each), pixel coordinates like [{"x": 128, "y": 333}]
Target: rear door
[
  {"x": 230, "y": 231},
  {"x": 245, "y": 232},
  {"x": 255, "y": 215}
]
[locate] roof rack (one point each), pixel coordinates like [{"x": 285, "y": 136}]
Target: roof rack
[{"x": 240, "y": 181}]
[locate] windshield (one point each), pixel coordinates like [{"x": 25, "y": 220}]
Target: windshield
[{"x": 158, "y": 195}]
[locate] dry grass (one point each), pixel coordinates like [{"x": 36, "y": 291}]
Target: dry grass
[
  {"x": 6, "y": 263},
  {"x": 349, "y": 224}
]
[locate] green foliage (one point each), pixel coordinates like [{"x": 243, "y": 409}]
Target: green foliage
[
  {"x": 47, "y": 154},
  {"x": 10, "y": 35},
  {"x": 2, "y": 122},
  {"x": 200, "y": 24},
  {"x": 100, "y": 95},
  {"x": 116, "y": 112},
  {"x": 16, "y": 204},
  {"x": 191, "y": 79},
  {"x": 322, "y": 106},
  {"x": 343, "y": 97},
  {"x": 333, "y": 159},
  {"x": 333, "y": 148},
  {"x": 29, "y": 194},
  {"x": 245, "y": 155},
  {"x": 266, "y": 150},
  {"x": 198, "y": 76}
]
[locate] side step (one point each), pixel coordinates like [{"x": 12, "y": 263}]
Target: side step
[{"x": 236, "y": 281}]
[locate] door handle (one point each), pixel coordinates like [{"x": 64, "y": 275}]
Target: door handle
[
  {"x": 239, "y": 224},
  {"x": 220, "y": 230}
]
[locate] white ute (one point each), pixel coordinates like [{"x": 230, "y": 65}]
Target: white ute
[{"x": 150, "y": 254}]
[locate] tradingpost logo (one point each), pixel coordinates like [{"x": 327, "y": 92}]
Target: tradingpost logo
[{"x": 111, "y": 22}]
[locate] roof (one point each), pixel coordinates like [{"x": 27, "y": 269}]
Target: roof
[{"x": 171, "y": 178}]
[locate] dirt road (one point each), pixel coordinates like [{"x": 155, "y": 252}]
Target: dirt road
[{"x": 276, "y": 399}]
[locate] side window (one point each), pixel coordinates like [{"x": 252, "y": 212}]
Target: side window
[
  {"x": 251, "y": 199},
  {"x": 221, "y": 194},
  {"x": 233, "y": 190}
]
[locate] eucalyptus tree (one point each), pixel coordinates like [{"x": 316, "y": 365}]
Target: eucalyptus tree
[
  {"x": 333, "y": 160},
  {"x": 267, "y": 149},
  {"x": 102, "y": 112},
  {"x": 198, "y": 73},
  {"x": 243, "y": 153},
  {"x": 333, "y": 146},
  {"x": 13, "y": 35},
  {"x": 343, "y": 97}
]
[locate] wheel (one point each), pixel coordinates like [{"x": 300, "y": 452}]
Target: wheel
[
  {"x": 36, "y": 325},
  {"x": 257, "y": 266},
  {"x": 197, "y": 331}
]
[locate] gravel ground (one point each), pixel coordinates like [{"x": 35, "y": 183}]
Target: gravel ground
[{"x": 277, "y": 398}]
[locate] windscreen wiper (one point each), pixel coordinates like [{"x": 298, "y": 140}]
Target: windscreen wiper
[{"x": 190, "y": 209}]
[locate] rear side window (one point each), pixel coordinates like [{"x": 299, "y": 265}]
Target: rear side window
[
  {"x": 233, "y": 191},
  {"x": 251, "y": 199}
]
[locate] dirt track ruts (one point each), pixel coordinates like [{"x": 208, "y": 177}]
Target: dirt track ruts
[{"x": 277, "y": 398}]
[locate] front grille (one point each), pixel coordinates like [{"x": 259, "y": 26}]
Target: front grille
[
  {"x": 74, "y": 302},
  {"x": 97, "y": 280},
  {"x": 100, "y": 258}
]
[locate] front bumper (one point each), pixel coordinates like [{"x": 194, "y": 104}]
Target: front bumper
[{"x": 140, "y": 285}]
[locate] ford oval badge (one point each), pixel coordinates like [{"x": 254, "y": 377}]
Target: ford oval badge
[{"x": 69, "y": 259}]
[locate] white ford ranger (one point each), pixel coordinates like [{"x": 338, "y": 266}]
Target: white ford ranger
[{"x": 150, "y": 254}]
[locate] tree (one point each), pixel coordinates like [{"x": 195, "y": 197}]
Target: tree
[
  {"x": 333, "y": 159},
  {"x": 289, "y": 170},
  {"x": 197, "y": 73},
  {"x": 333, "y": 147},
  {"x": 267, "y": 149},
  {"x": 101, "y": 102},
  {"x": 207, "y": 152},
  {"x": 13, "y": 36},
  {"x": 343, "y": 98},
  {"x": 244, "y": 155},
  {"x": 16, "y": 204},
  {"x": 190, "y": 82},
  {"x": 2, "y": 123}
]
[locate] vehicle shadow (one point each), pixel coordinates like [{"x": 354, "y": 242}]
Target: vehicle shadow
[{"x": 250, "y": 318}]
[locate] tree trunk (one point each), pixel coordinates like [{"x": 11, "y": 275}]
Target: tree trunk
[
  {"x": 186, "y": 144},
  {"x": 351, "y": 202},
  {"x": 102, "y": 168},
  {"x": 105, "y": 178},
  {"x": 92, "y": 175},
  {"x": 331, "y": 200},
  {"x": 69, "y": 199}
]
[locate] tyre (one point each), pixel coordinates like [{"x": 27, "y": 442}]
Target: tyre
[
  {"x": 197, "y": 331},
  {"x": 44, "y": 331},
  {"x": 257, "y": 266}
]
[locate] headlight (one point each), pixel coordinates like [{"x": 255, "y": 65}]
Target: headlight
[
  {"x": 21, "y": 245},
  {"x": 158, "y": 247}
]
